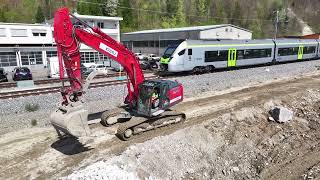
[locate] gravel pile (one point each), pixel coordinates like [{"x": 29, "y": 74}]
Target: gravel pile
[{"x": 13, "y": 113}]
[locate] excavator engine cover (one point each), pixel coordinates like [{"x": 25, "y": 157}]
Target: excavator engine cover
[{"x": 71, "y": 119}]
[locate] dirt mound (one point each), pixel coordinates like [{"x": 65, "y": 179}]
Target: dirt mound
[{"x": 238, "y": 145}]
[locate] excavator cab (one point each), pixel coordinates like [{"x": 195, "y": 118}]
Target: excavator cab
[{"x": 153, "y": 98}]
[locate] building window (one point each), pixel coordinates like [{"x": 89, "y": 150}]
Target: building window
[
  {"x": 19, "y": 33},
  {"x": 101, "y": 25},
  {"x": 31, "y": 58},
  {"x": 52, "y": 54},
  {"x": 8, "y": 59},
  {"x": 189, "y": 52},
  {"x": 93, "y": 57},
  {"x": 39, "y": 32}
]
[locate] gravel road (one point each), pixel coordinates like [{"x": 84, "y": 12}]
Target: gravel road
[{"x": 13, "y": 114}]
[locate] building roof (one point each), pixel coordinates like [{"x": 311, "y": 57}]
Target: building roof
[
  {"x": 23, "y": 24},
  {"x": 97, "y": 17},
  {"x": 192, "y": 28}
]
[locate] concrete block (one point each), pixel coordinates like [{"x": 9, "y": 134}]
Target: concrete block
[
  {"x": 25, "y": 84},
  {"x": 281, "y": 114}
]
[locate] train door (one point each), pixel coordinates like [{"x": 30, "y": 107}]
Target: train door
[
  {"x": 189, "y": 60},
  {"x": 232, "y": 57},
  {"x": 300, "y": 52}
]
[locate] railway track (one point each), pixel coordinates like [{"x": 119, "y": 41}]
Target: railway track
[
  {"x": 56, "y": 80},
  {"x": 48, "y": 90}
]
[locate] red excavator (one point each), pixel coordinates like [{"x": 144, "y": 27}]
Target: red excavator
[{"x": 148, "y": 102}]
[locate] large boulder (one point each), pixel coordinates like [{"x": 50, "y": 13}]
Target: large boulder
[{"x": 281, "y": 114}]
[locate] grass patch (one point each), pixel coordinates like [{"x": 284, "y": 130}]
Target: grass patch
[{"x": 31, "y": 107}]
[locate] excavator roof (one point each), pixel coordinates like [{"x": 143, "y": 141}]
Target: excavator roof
[{"x": 158, "y": 82}]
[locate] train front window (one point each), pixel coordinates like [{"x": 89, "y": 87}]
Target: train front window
[
  {"x": 181, "y": 52},
  {"x": 169, "y": 51}
]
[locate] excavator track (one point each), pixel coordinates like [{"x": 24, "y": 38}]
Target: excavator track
[
  {"x": 109, "y": 114},
  {"x": 137, "y": 125}
]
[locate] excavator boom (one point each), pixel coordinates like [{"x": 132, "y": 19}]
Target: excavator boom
[{"x": 68, "y": 38}]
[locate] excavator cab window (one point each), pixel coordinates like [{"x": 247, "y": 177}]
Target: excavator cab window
[
  {"x": 153, "y": 96},
  {"x": 144, "y": 100}
]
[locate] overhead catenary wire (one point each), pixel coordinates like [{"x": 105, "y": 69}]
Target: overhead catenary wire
[{"x": 171, "y": 13}]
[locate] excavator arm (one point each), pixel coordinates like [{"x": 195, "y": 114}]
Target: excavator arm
[{"x": 68, "y": 38}]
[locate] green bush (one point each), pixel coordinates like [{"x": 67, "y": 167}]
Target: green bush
[
  {"x": 34, "y": 122},
  {"x": 31, "y": 107}
]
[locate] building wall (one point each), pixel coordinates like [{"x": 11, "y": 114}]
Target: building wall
[
  {"x": 148, "y": 43},
  {"x": 227, "y": 32},
  {"x": 25, "y": 34}
]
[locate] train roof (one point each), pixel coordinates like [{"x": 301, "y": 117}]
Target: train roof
[
  {"x": 206, "y": 42},
  {"x": 255, "y": 41},
  {"x": 296, "y": 40}
]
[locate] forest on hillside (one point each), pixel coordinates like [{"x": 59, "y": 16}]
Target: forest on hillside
[{"x": 256, "y": 15}]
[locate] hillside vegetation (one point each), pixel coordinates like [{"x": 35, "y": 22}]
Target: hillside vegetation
[{"x": 256, "y": 15}]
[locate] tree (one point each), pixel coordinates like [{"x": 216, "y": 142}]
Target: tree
[
  {"x": 237, "y": 14},
  {"x": 110, "y": 7},
  {"x": 39, "y": 15},
  {"x": 125, "y": 11},
  {"x": 2, "y": 16}
]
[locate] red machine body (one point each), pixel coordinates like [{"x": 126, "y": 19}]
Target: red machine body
[{"x": 71, "y": 117}]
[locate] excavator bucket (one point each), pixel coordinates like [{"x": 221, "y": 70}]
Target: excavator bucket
[{"x": 71, "y": 120}]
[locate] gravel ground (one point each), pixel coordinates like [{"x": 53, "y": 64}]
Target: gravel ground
[
  {"x": 237, "y": 145},
  {"x": 13, "y": 114}
]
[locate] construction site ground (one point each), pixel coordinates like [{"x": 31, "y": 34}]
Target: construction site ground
[{"x": 227, "y": 135}]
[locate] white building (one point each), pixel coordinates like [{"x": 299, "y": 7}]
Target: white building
[
  {"x": 155, "y": 41},
  {"x": 30, "y": 44}
]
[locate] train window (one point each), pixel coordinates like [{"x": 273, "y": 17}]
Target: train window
[
  {"x": 257, "y": 53},
  {"x": 240, "y": 54},
  {"x": 212, "y": 56},
  {"x": 268, "y": 52},
  {"x": 309, "y": 50},
  {"x": 248, "y": 54},
  {"x": 182, "y": 52},
  {"x": 288, "y": 51},
  {"x": 189, "y": 51}
]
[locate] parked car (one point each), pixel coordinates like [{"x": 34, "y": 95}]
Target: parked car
[
  {"x": 100, "y": 67},
  {"x": 96, "y": 67},
  {"x": 145, "y": 65},
  {"x": 140, "y": 56},
  {"x": 3, "y": 75},
  {"x": 153, "y": 57},
  {"x": 21, "y": 73}
]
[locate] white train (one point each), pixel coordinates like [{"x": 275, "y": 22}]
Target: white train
[{"x": 205, "y": 56}]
